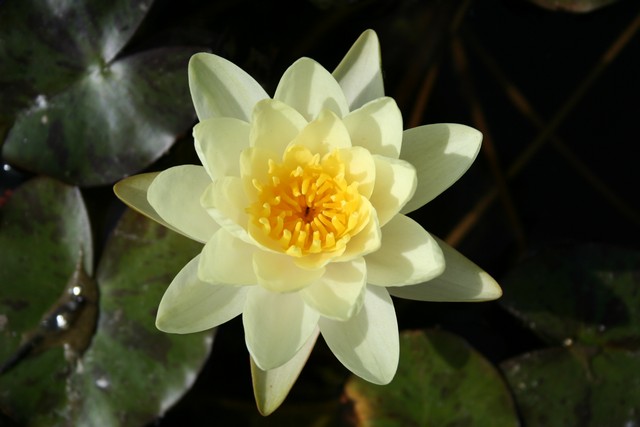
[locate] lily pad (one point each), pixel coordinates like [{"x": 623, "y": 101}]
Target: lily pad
[
  {"x": 130, "y": 373},
  {"x": 586, "y": 294},
  {"x": 82, "y": 114},
  {"x": 576, "y": 386},
  {"x": 441, "y": 381}
]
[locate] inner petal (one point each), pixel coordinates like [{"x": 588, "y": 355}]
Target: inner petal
[{"x": 307, "y": 205}]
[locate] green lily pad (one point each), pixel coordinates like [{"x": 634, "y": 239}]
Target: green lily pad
[
  {"x": 131, "y": 372},
  {"x": 586, "y": 294},
  {"x": 576, "y": 386},
  {"x": 82, "y": 114},
  {"x": 577, "y": 6},
  {"x": 441, "y": 381}
]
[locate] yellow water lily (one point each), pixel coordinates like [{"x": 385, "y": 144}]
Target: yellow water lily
[{"x": 300, "y": 203}]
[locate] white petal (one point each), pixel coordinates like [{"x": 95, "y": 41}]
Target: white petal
[
  {"x": 339, "y": 292},
  {"x": 276, "y": 326},
  {"x": 368, "y": 343},
  {"x": 395, "y": 185},
  {"x": 175, "y": 196},
  {"x": 274, "y": 125},
  {"x": 461, "y": 280},
  {"x": 225, "y": 201},
  {"x": 224, "y": 260},
  {"x": 191, "y": 305},
  {"x": 359, "y": 73},
  {"x": 441, "y": 153},
  {"x": 219, "y": 141},
  {"x": 220, "y": 88},
  {"x": 271, "y": 387},
  {"x": 133, "y": 191},
  {"x": 408, "y": 255},
  {"x": 377, "y": 126},
  {"x": 324, "y": 134},
  {"x": 279, "y": 272},
  {"x": 309, "y": 88}
]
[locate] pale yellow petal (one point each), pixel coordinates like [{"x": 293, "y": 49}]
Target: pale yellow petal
[
  {"x": 359, "y": 167},
  {"x": 271, "y": 387},
  {"x": 279, "y": 273},
  {"x": 274, "y": 125},
  {"x": 339, "y": 293},
  {"x": 359, "y": 73},
  {"x": 219, "y": 88},
  {"x": 225, "y": 201},
  {"x": 324, "y": 134},
  {"x": 368, "y": 240},
  {"x": 368, "y": 343},
  {"x": 175, "y": 195},
  {"x": 441, "y": 153},
  {"x": 191, "y": 305},
  {"x": 225, "y": 259},
  {"x": 309, "y": 88},
  {"x": 219, "y": 142},
  {"x": 133, "y": 192},
  {"x": 276, "y": 326},
  {"x": 377, "y": 126},
  {"x": 395, "y": 185},
  {"x": 408, "y": 255},
  {"x": 461, "y": 280}
]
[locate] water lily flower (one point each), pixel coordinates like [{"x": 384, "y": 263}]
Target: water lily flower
[{"x": 301, "y": 204}]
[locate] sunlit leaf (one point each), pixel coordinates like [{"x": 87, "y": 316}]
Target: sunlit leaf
[{"x": 440, "y": 381}]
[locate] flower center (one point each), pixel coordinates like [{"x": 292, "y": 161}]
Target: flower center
[{"x": 307, "y": 206}]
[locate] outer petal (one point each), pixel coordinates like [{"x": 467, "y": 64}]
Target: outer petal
[
  {"x": 219, "y": 141},
  {"x": 274, "y": 125},
  {"x": 377, "y": 126},
  {"x": 408, "y": 255},
  {"x": 224, "y": 260},
  {"x": 191, "y": 305},
  {"x": 441, "y": 153},
  {"x": 309, "y": 88},
  {"x": 279, "y": 273},
  {"x": 271, "y": 387},
  {"x": 359, "y": 73},
  {"x": 175, "y": 196},
  {"x": 339, "y": 293},
  {"x": 225, "y": 200},
  {"x": 395, "y": 185},
  {"x": 368, "y": 343},
  {"x": 220, "y": 88},
  {"x": 324, "y": 134},
  {"x": 133, "y": 192},
  {"x": 462, "y": 280},
  {"x": 276, "y": 326}
]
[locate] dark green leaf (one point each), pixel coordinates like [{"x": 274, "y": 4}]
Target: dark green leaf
[
  {"x": 576, "y": 387},
  {"x": 585, "y": 294},
  {"x": 81, "y": 114},
  {"x": 130, "y": 373},
  {"x": 441, "y": 381}
]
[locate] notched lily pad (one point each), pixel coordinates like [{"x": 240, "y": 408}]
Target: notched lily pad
[
  {"x": 130, "y": 373},
  {"x": 87, "y": 117},
  {"x": 440, "y": 381},
  {"x": 585, "y": 294},
  {"x": 576, "y": 386}
]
